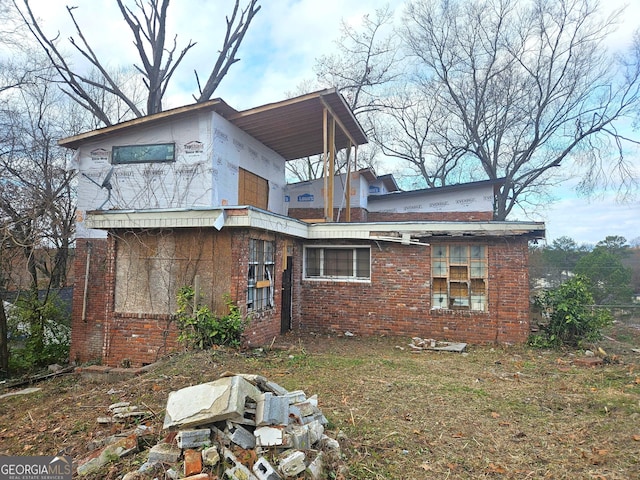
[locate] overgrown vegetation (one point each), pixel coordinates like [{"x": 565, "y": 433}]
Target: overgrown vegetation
[
  {"x": 200, "y": 328},
  {"x": 570, "y": 318},
  {"x": 494, "y": 413},
  {"x": 39, "y": 332}
]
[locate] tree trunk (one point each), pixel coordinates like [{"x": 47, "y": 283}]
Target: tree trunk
[{"x": 4, "y": 347}]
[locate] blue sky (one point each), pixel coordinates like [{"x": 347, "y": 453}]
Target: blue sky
[{"x": 279, "y": 53}]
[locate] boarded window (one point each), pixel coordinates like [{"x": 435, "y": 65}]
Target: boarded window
[{"x": 253, "y": 190}]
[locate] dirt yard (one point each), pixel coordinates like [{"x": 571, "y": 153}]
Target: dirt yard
[{"x": 502, "y": 412}]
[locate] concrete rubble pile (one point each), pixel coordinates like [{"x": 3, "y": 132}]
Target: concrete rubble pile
[{"x": 242, "y": 427}]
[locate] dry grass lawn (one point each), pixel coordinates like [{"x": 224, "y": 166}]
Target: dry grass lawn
[{"x": 502, "y": 412}]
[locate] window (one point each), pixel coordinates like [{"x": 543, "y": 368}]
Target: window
[
  {"x": 252, "y": 190},
  {"x": 161, "y": 152},
  {"x": 260, "y": 277},
  {"x": 459, "y": 277},
  {"x": 342, "y": 263}
]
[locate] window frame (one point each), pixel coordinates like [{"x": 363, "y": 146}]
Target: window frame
[
  {"x": 459, "y": 277},
  {"x": 115, "y": 149},
  {"x": 322, "y": 267},
  {"x": 261, "y": 275}
]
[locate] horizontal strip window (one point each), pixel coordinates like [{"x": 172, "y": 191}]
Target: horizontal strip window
[
  {"x": 337, "y": 263},
  {"x": 155, "y": 153}
]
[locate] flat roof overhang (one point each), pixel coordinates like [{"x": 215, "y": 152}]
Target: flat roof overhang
[
  {"x": 251, "y": 217},
  {"x": 293, "y": 128}
]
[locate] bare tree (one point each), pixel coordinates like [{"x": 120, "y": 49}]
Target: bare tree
[
  {"x": 403, "y": 130},
  {"x": 365, "y": 63},
  {"x": 37, "y": 203},
  {"x": 525, "y": 87},
  {"x": 159, "y": 57}
]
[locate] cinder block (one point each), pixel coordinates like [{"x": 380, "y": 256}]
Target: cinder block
[
  {"x": 292, "y": 464},
  {"x": 237, "y": 471},
  {"x": 315, "y": 470},
  {"x": 299, "y": 437},
  {"x": 264, "y": 471},
  {"x": 193, "y": 438},
  {"x": 272, "y": 410},
  {"x": 296, "y": 396},
  {"x": 275, "y": 388},
  {"x": 241, "y": 436}
]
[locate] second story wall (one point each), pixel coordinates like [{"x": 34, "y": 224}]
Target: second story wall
[{"x": 208, "y": 154}]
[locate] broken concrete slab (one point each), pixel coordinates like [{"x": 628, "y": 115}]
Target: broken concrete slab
[
  {"x": 165, "y": 453},
  {"x": 223, "y": 399},
  {"x": 210, "y": 456},
  {"x": 24, "y": 391},
  {"x": 419, "y": 344},
  {"x": 269, "y": 436},
  {"x": 109, "y": 453}
]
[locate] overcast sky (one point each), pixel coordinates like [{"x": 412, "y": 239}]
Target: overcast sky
[{"x": 279, "y": 53}]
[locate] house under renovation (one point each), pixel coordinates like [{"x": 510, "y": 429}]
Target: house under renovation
[{"x": 197, "y": 196}]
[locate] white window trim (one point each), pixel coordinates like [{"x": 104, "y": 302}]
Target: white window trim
[{"x": 335, "y": 278}]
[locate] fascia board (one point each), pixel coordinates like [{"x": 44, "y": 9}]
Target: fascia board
[{"x": 322, "y": 231}]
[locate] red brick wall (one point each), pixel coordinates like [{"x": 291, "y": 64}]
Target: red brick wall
[
  {"x": 362, "y": 215},
  {"x": 137, "y": 338},
  {"x": 87, "y": 333},
  {"x": 140, "y": 338},
  {"x": 397, "y": 301},
  {"x": 357, "y": 214},
  {"x": 264, "y": 325},
  {"x": 430, "y": 216}
]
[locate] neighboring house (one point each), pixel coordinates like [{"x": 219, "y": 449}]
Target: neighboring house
[{"x": 197, "y": 196}]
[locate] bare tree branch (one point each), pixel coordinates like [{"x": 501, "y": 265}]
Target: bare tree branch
[
  {"x": 237, "y": 27},
  {"x": 524, "y": 88},
  {"x": 158, "y": 61}
]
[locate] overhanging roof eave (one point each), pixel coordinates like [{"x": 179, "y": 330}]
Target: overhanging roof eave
[{"x": 250, "y": 217}]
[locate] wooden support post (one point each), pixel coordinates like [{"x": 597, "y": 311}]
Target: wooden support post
[
  {"x": 332, "y": 165},
  {"x": 347, "y": 187},
  {"x": 325, "y": 161}
]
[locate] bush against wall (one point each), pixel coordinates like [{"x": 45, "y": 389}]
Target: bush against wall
[
  {"x": 569, "y": 316},
  {"x": 200, "y": 328}
]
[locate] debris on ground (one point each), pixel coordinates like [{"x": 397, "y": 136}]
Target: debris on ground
[
  {"x": 239, "y": 427},
  {"x": 418, "y": 344},
  {"x": 24, "y": 391}
]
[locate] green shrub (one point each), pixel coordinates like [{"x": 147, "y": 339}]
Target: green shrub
[
  {"x": 570, "y": 317},
  {"x": 39, "y": 333},
  {"x": 201, "y": 328}
]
